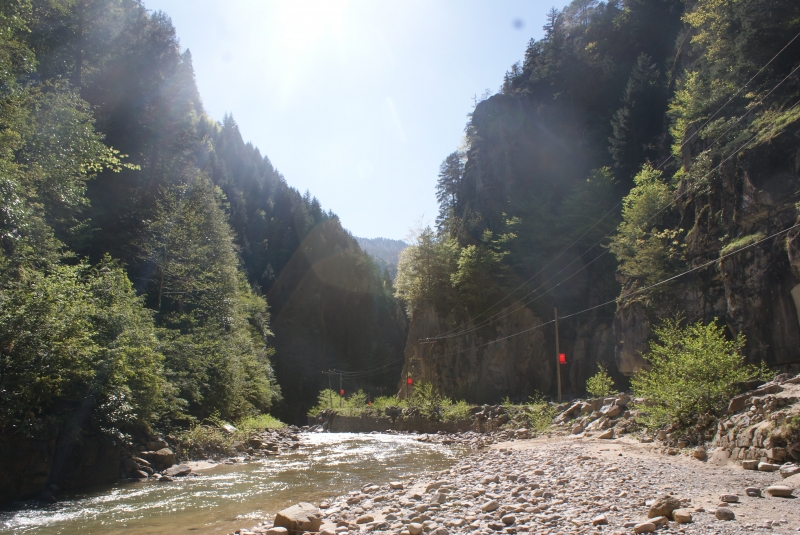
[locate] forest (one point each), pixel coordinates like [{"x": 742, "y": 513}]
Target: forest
[
  {"x": 156, "y": 269},
  {"x": 630, "y": 144}
]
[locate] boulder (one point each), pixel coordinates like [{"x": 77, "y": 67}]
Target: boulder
[
  {"x": 724, "y": 513},
  {"x": 155, "y": 445},
  {"x": 644, "y": 527},
  {"x": 298, "y": 518},
  {"x": 768, "y": 467},
  {"x": 365, "y": 519},
  {"x": 161, "y": 459},
  {"x": 277, "y": 531},
  {"x": 750, "y": 464},
  {"x": 607, "y": 434},
  {"x": 682, "y": 516},
  {"x": 700, "y": 453},
  {"x": 663, "y": 506},
  {"x": 415, "y": 528},
  {"x": 788, "y": 470},
  {"x": 179, "y": 470},
  {"x": 780, "y": 491}
]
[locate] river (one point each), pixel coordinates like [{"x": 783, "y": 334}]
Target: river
[{"x": 227, "y": 497}]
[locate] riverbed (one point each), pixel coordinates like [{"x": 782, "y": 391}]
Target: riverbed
[{"x": 227, "y": 496}]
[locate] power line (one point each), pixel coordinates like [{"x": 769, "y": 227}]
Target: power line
[
  {"x": 628, "y": 296},
  {"x": 450, "y": 333},
  {"x": 668, "y": 205}
]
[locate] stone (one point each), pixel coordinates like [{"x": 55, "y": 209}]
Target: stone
[
  {"x": 780, "y": 491},
  {"x": 753, "y": 492},
  {"x": 165, "y": 479},
  {"x": 277, "y": 531},
  {"x": 163, "y": 458},
  {"x": 663, "y": 506},
  {"x": 155, "y": 445},
  {"x": 439, "y": 531},
  {"x": 788, "y": 470},
  {"x": 700, "y": 453},
  {"x": 682, "y": 516},
  {"x": 365, "y": 519},
  {"x": 299, "y": 517},
  {"x": 577, "y": 429},
  {"x": 439, "y": 497},
  {"x": 396, "y": 485},
  {"x": 660, "y": 521},
  {"x": 415, "y": 528},
  {"x": 601, "y": 520},
  {"x": 611, "y": 410},
  {"x": 179, "y": 470},
  {"x": 729, "y": 498},
  {"x": 508, "y": 519},
  {"x": 750, "y": 464},
  {"x": 607, "y": 434},
  {"x": 644, "y": 527},
  {"x": 768, "y": 467},
  {"x": 490, "y": 506},
  {"x": 724, "y": 513}
]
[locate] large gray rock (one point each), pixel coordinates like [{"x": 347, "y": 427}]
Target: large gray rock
[
  {"x": 161, "y": 459},
  {"x": 298, "y": 518},
  {"x": 178, "y": 471}
]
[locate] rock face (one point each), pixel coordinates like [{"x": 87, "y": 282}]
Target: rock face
[
  {"x": 753, "y": 292},
  {"x": 298, "y": 518},
  {"x": 518, "y": 366}
]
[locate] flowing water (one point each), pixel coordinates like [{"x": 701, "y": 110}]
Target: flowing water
[{"x": 227, "y": 497}]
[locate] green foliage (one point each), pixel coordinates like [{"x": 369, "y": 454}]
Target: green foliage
[
  {"x": 642, "y": 250},
  {"x": 423, "y": 271},
  {"x": 744, "y": 241},
  {"x": 694, "y": 371},
  {"x": 258, "y": 422},
  {"x": 77, "y": 338},
  {"x": 540, "y": 413},
  {"x": 600, "y": 385},
  {"x": 426, "y": 398}
]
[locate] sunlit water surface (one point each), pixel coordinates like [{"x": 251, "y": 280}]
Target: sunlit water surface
[{"x": 228, "y": 497}]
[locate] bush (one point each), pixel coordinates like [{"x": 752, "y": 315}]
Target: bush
[
  {"x": 600, "y": 385},
  {"x": 694, "y": 371},
  {"x": 540, "y": 413}
]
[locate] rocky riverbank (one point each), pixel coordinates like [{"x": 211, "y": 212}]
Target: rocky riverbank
[{"x": 567, "y": 485}]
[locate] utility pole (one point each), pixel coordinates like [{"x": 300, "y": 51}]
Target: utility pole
[
  {"x": 341, "y": 397},
  {"x": 558, "y": 359},
  {"x": 330, "y": 389}
]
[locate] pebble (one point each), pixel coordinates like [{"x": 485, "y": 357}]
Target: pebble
[
  {"x": 601, "y": 520},
  {"x": 729, "y": 498},
  {"x": 490, "y": 506},
  {"x": 753, "y": 492},
  {"x": 415, "y": 528},
  {"x": 644, "y": 527}
]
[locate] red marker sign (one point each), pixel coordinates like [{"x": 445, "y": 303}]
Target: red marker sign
[
  {"x": 562, "y": 358},
  {"x": 409, "y": 381},
  {"x": 341, "y": 392}
]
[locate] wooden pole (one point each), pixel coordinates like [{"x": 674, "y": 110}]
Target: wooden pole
[
  {"x": 330, "y": 389},
  {"x": 341, "y": 397},
  {"x": 558, "y": 362}
]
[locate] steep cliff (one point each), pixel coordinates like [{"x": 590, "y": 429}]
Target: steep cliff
[{"x": 755, "y": 291}]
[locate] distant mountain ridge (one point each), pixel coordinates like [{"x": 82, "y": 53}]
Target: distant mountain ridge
[{"x": 384, "y": 251}]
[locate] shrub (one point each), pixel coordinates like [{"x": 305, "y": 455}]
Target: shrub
[
  {"x": 601, "y": 384},
  {"x": 694, "y": 372},
  {"x": 540, "y": 413}
]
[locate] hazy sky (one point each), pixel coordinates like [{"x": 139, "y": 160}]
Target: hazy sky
[{"x": 357, "y": 101}]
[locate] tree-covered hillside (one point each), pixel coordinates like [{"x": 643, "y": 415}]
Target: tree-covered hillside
[
  {"x": 593, "y": 172},
  {"x": 155, "y": 268}
]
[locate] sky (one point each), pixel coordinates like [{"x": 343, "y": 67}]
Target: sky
[{"x": 356, "y": 101}]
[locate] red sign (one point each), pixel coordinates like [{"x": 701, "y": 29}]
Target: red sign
[
  {"x": 562, "y": 358},
  {"x": 409, "y": 381},
  {"x": 341, "y": 392}
]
